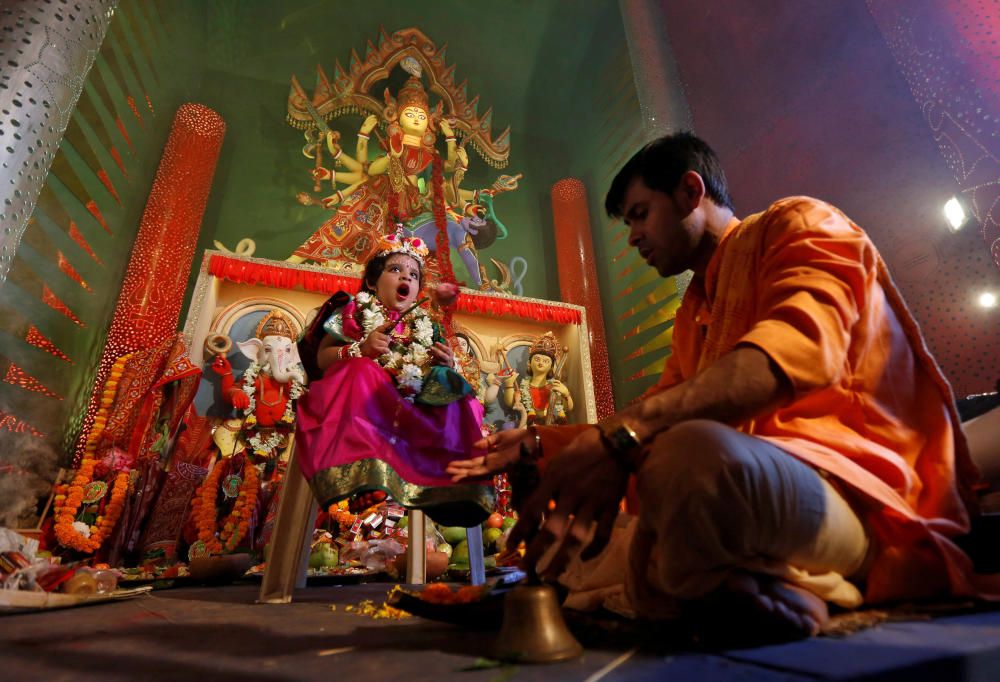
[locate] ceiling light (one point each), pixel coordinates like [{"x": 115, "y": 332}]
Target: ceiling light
[
  {"x": 955, "y": 214},
  {"x": 988, "y": 299}
]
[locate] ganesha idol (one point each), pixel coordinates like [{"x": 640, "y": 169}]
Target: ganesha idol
[{"x": 268, "y": 389}]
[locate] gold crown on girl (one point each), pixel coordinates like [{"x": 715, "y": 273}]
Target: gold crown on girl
[{"x": 414, "y": 247}]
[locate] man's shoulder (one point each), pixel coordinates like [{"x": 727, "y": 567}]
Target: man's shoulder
[
  {"x": 799, "y": 205},
  {"x": 805, "y": 214}
]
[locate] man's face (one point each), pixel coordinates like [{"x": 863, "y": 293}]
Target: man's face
[{"x": 666, "y": 237}]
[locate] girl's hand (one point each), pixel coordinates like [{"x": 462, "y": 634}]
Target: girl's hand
[
  {"x": 375, "y": 344},
  {"x": 442, "y": 354}
]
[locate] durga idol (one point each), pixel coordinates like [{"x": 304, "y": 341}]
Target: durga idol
[{"x": 386, "y": 189}]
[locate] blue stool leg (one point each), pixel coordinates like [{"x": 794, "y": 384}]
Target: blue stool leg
[{"x": 474, "y": 536}]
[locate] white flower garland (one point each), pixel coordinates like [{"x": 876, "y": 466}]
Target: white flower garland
[
  {"x": 406, "y": 365},
  {"x": 526, "y": 399},
  {"x": 264, "y": 447}
]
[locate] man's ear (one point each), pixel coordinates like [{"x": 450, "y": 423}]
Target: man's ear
[{"x": 692, "y": 189}]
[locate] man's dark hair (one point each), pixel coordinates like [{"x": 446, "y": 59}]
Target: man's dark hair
[
  {"x": 662, "y": 162},
  {"x": 376, "y": 266}
]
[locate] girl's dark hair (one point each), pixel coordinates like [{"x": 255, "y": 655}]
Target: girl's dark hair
[
  {"x": 662, "y": 162},
  {"x": 376, "y": 266}
]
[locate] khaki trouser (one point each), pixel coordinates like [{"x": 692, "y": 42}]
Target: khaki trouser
[{"x": 712, "y": 501}]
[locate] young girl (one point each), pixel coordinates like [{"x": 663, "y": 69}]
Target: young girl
[{"x": 386, "y": 411}]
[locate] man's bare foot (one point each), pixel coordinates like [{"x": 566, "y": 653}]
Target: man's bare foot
[
  {"x": 753, "y": 610},
  {"x": 777, "y": 600},
  {"x": 362, "y": 501}
]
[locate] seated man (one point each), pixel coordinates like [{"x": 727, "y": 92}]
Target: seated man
[{"x": 801, "y": 447}]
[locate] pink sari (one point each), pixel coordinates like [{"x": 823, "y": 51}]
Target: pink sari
[{"x": 357, "y": 433}]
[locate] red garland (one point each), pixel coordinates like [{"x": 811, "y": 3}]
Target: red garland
[
  {"x": 276, "y": 276},
  {"x": 441, "y": 241}
]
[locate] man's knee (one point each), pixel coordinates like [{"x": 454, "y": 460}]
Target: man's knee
[{"x": 691, "y": 454}]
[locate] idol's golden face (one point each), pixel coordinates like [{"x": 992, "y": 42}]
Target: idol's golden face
[{"x": 413, "y": 120}]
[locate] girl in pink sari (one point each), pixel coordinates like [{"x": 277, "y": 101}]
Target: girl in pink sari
[{"x": 386, "y": 411}]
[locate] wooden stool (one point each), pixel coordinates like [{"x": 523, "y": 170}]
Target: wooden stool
[{"x": 292, "y": 538}]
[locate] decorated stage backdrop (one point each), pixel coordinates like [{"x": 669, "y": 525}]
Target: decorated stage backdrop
[{"x": 234, "y": 292}]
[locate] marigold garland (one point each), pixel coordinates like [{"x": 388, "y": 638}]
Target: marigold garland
[
  {"x": 442, "y": 245},
  {"x": 237, "y": 523},
  {"x": 68, "y": 498}
]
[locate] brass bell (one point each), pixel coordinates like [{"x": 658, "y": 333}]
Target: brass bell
[{"x": 533, "y": 628}]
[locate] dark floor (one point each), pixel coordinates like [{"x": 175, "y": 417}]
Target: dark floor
[{"x": 219, "y": 633}]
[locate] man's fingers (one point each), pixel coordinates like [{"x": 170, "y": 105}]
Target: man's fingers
[
  {"x": 467, "y": 468},
  {"x": 544, "y": 537},
  {"x": 576, "y": 534},
  {"x": 605, "y": 525},
  {"x": 460, "y": 466},
  {"x": 531, "y": 516},
  {"x": 487, "y": 443}
]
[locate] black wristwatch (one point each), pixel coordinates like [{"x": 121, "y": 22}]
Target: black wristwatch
[{"x": 621, "y": 440}]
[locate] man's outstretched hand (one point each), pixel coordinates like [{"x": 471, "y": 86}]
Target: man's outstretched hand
[
  {"x": 586, "y": 484},
  {"x": 503, "y": 449}
]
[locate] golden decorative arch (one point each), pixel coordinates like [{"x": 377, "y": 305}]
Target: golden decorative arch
[{"x": 350, "y": 92}]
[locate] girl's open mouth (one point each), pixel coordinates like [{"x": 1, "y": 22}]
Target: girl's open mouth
[{"x": 403, "y": 290}]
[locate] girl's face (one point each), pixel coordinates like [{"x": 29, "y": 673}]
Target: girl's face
[{"x": 399, "y": 284}]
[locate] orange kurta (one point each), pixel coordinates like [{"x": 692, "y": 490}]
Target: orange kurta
[{"x": 804, "y": 284}]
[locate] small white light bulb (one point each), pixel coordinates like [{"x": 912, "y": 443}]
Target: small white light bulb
[
  {"x": 988, "y": 299},
  {"x": 955, "y": 214}
]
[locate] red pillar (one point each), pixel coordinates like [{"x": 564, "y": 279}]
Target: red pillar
[
  {"x": 149, "y": 305},
  {"x": 578, "y": 279}
]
